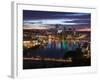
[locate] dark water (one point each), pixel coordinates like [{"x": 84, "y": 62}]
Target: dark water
[
  {"x": 52, "y": 49},
  {"x": 52, "y": 53},
  {"x": 55, "y": 50}
]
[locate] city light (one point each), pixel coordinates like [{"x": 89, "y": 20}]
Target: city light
[{"x": 56, "y": 39}]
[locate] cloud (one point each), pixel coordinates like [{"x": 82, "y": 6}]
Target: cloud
[{"x": 57, "y": 21}]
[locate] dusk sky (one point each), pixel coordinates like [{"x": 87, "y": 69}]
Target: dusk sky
[{"x": 52, "y": 18}]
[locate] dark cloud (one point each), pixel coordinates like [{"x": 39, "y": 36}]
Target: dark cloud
[{"x": 78, "y": 18}]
